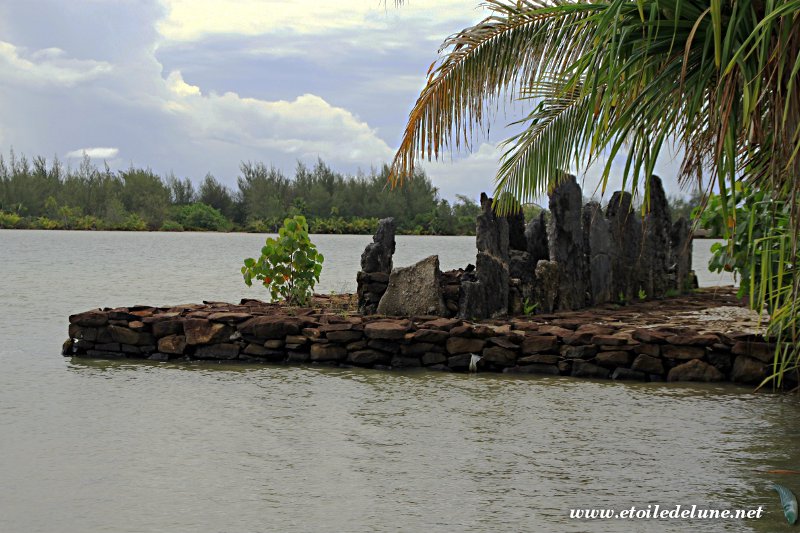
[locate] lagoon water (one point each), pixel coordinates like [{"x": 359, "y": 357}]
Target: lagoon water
[{"x": 91, "y": 447}]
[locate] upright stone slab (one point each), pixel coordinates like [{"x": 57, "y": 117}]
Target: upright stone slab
[
  {"x": 522, "y": 271},
  {"x": 376, "y": 265},
  {"x": 516, "y": 229},
  {"x": 536, "y": 236},
  {"x": 654, "y": 274},
  {"x": 484, "y": 292},
  {"x": 546, "y": 287},
  {"x": 565, "y": 237},
  {"x": 414, "y": 290},
  {"x": 598, "y": 247},
  {"x": 626, "y": 237},
  {"x": 681, "y": 238}
]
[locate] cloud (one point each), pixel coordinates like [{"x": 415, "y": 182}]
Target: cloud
[
  {"x": 48, "y": 66},
  {"x": 94, "y": 153},
  {"x": 188, "y": 20},
  {"x": 469, "y": 175},
  {"x": 306, "y": 127}
]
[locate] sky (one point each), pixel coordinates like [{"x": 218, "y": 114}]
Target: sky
[{"x": 196, "y": 86}]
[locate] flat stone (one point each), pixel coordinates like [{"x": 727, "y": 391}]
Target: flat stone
[
  {"x": 539, "y": 358},
  {"x": 461, "y": 345},
  {"x": 584, "y": 369},
  {"x": 174, "y": 344},
  {"x": 386, "y": 330},
  {"x": 265, "y": 327},
  {"x": 168, "y": 327},
  {"x": 539, "y": 343},
  {"x": 405, "y": 362},
  {"x": 257, "y": 350},
  {"x": 499, "y": 356},
  {"x": 444, "y": 324},
  {"x": 649, "y": 336},
  {"x": 693, "y": 340},
  {"x": 762, "y": 351},
  {"x": 459, "y": 362},
  {"x": 90, "y": 319},
  {"x": 201, "y": 331},
  {"x": 123, "y": 335},
  {"x": 648, "y": 364},
  {"x": 628, "y": 375},
  {"x": 549, "y": 370},
  {"x": 609, "y": 340},
  {"x": 217, "y": 351},
  {"x": 579, "y": 352},
  {"x": 748, "y": 370},
  {"x": 392, "y": 347},
  {"x": 328, "y": 352},
  {"x": 429, "y": 335},
  {"x": 433, "y": 358},
  {"x": 695, "y": 370},
  {"x": 614, "y": 359},
  {"x": 417, "y": 348},
  {"x": 229, "y": 317},
  {"x": 369, "y": 357},
  {"x": 504, "y": 342},
  {"x": 414, "y": 290},
  {"x": 652, "y": 350},
  {"x": 682, "y": 353},
  {"x": 344, "y": 336}
]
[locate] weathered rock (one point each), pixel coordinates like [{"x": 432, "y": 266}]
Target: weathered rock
[
  {"x": 405, "y": 362},
  {"x": 609, "y": 340},
  {"x": 229, "y": 317},
  {"x": 429, "y": 335},
  {"x": 722, "y": 361},
  {"x": 748, "y": 370},
  {"x": 124, "y": 335},
  {"x": 565, "y": 237},
  {"x": 695, "y": 370},
  {"x": 549, "y": 370},
  {"x": 460, "y": 361},
  {"x": 536, "y": 236},
  {"x": 681, "y": 260},
  {"x": 174, "y": 344},
  {"x": 168, "y": 327},
  {"x": 256, "y": 350},
  {"x": 485, "y": 296},
  {"x": 693, "y": 340},
  {"x": 89, "y": 319},
  {"x": 344, "y": 336},
  {"x": 386, "y": 329},
  {"x": 650, "y": 336},
  {"x": 539, "y": 358},
  {"x": 626, "y": 235},
  {"x": 613, "y": 359},
  {"x": 217, "y": 351},
  {"x": 392, "y": 347},
  {"x": 579, "y": 352},
  {"x": 648, "y": 364},
  {"x": 628, "y": 374},
  {"x": 369, "y": 357},
  {"x": 414, "y": 290},
  {"x": 656, "y": 245},
  {"x": 762, "y": 351},
  {"x": 682, "y": 353},
  {"x": 328, "y": 352},
  {"x": 598, "y": 247},
  {"x": 460, "y": 345},
  {"x": 377, "y": 256},
  {"x": 499, "y": 356},
  {"x": 443, "y": 324},
  {"x": 67, "y": 347},
  {"x": 261, "y": 327},
  {"x": 539, "y": 343},
  {"x": 522, "y": 266},
  {"x": 515, "y": 221},
  {"x": 652, "y": 350},
  {"x": 584, "y": 369},
  {"x": 546, "y": 285},
  {"x": 433, "y": 358},
  {"x": 417, "y": 349}
]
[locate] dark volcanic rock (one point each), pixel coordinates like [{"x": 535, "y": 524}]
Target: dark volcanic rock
[
  {"x": 584, "y": 369},
  {"x": 546, "y": 286},
  {"x": 376, "y": 265},
  {"x": 536, "y": 236},
  {"x": 626, "y": 235},
  {"x": 748, "y": 370},
  {"x": 656, "y": 243},
  {"x": 565, "y": 236},
  {"x": 599, "y": 250},
  {"x": 695, "y": 370},
  {"x": 681, "y": 261}
]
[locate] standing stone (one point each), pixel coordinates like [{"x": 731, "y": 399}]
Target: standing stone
[
  {"x": 546, "y": 286},
  {"x": 681, "y": 261},
  {"x": 484, "y": 292},
  {"x": 565, "y": 237},
  {"x": 522, "y": 271},
  {"x": 516, "y": 227},
  {"x": 536, "y": 235},
  {"x": 656, "y": 245},
  {"x": 414, "y": 290},
  {"x": 376, "y": 265},
  {"x": 598, "y": 247},
  {"x": 626, "y": 238}
]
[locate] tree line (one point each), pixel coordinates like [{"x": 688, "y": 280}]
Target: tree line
[{"x": 47, "y": 195}]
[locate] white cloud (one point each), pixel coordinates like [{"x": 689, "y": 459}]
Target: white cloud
[
  {"x": 189, "y": 20},
  {"x": 95, "y": 153},
  {"x": 306, "y": 127},
  {"x": 470, "y": 175},
  {"x": 49, "y": 66}
]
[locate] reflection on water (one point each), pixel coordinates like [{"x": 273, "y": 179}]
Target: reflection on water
[{"x": 91, "y": 446}]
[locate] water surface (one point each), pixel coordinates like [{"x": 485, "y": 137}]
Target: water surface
[{"x": 143, "y": 447}]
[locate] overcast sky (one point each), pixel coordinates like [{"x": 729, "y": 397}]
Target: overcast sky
[{"x": 197, "y": 86}]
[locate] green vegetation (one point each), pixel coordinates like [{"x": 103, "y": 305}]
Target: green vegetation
[
  {"x": 38, "y": 195},
  {"x": 620, "y": 77},
  {"x": 289, "y": 266}
]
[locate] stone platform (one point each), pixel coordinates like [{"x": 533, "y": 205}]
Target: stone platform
[{"x": 704, "y": 336}]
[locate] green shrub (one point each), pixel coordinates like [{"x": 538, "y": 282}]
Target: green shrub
[
  {"x": 171, "y": 225},
  {"x": 200, "y": 216},
  {"x": 289, "y": 266},
  {"x": 9, "y": 220}
]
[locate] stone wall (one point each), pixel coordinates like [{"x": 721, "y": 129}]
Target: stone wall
[{"x": 588, "y": 344}]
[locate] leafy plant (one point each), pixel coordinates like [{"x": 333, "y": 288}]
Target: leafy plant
[
  {"x": 621, "y": 299},
  {"x": 528, "y": 308},
  {"x": 289, "y": 266},
  {"x": 642, "y": 294}
]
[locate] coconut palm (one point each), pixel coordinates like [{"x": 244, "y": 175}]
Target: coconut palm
[{"x": 718, "y": 79}]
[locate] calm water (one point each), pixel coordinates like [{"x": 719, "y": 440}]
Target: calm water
[{"x": 113, "y": 447}]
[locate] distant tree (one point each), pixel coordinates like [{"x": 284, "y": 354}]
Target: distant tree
[{"x": 216, "y": 195}]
